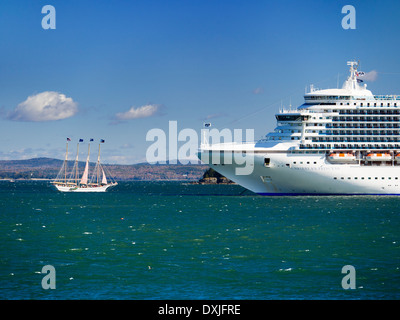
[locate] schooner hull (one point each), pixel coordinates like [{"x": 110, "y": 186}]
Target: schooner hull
[{"x": 84, "y": 189}]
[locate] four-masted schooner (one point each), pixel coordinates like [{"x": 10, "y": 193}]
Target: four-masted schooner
[{"x": 71, "y": 182}]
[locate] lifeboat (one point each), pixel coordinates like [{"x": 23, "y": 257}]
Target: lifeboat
[
  {"x": 397, "y": 157},
  {"x": 378, "y": 157},
  {"x": 342, "y": 157}
]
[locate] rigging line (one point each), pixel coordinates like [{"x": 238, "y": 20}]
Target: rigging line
[
  {"x": 263, "y": 108},
  {"x": 388, "y": 72},
  {"x": 255, "y": 112},
  {"x": 270, "y": 105}
]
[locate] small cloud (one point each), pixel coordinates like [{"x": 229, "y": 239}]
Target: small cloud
[
  {"x": 44, "y": 106},
  {"x": 127, "y": 146},
  {"x": 258, "y": 91},
  {"x": 27, "y": 153},
  {"x": 118, "y": 160},
  {"x": 145, "y": 111},
  {"x": 369, "y": 76},
  {"x": 214, "y": 116}
]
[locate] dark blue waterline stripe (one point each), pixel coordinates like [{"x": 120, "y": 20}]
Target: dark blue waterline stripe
[{"x": 328, "y": 194}]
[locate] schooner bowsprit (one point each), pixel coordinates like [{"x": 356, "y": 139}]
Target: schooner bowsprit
[{"x": 72, "y": 182}]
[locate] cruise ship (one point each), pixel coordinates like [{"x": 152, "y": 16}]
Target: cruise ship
[{"x": 342, "y": 141}]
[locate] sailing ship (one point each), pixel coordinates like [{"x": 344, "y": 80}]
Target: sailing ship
[{"x": 73, "y": 182}]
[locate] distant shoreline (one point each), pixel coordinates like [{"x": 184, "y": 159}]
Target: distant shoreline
[
  {"x": 48, "y": 168},
  {"x": 134, "y": 180}
]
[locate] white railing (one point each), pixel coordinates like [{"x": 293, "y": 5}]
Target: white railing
[{"x": 387, "y": 97}]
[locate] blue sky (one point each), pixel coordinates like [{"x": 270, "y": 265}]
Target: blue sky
[{"x": 122, "y": 68}]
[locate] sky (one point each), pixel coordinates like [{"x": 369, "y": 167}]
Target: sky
[{"x": 115, "y": 70}]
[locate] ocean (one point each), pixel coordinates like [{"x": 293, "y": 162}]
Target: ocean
[{"x": 172, "y": 240}]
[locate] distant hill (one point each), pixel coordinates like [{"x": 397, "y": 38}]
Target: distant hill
[{"x": 47, "y": 168}]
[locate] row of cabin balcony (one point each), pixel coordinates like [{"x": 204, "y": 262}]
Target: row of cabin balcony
[
  {"x": 382, "y": 131},
  {"x": 362, "y": 133},
  {"x": 362, "y": 125},
  {"x": 366, "y": 124},
  {"x": 351, "y": 104},
  {"x": 368, "y": 111},
  {"x": 342, "y": 146},
  {"x": 382, "y": 115},
  {"x": 346, "y": 139},
  {"x": 357, "y": 98},
  {"x": 354, "y": 132},
  {"x": 366, "y": 119},
  {"x": 355, "y": 138},
  {"x": 313, "y": 133},
  {"x": 389, "y": 137},
  {"x": 368, "y": 104},
  {"x": 368, "y": 139}
]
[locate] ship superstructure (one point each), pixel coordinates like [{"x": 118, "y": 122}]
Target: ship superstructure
[{"x": 340, "y": 141}]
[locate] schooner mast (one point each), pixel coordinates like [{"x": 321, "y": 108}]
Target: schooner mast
[
  {"x": 74, "y": 175},
  {"x": 65, "y": 162},
  {"x": 98, "y": 167},
  {"x": 84, "y": 179}
]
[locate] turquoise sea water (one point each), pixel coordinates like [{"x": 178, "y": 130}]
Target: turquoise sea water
[{"x": 148, "y": 240}]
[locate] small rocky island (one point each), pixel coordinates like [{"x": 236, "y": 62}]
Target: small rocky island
[{"x": 213, "y": 177}]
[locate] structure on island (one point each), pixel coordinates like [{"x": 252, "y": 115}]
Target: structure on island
[{"x": 213, "y": 177}]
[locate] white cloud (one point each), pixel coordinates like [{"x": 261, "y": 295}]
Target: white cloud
[
  {"x": 27, "y": 153},
  {"x": 214, "y": 115},
  {"x": 258, "y": 90},
  {"x": 136, "y": 113},
  {"x": 44, "y": 106}
]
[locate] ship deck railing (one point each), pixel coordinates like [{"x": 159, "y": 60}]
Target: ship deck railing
[
  {"x": 347, "y": 98},
  {"x": 387, "y": 97},
  {"x": 381, "y": 133}
]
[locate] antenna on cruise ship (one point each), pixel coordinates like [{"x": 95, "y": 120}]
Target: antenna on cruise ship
[{"x": 205, "y": 138}]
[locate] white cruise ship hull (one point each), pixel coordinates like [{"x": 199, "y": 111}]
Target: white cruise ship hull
[{"x": 291, "y": 174}]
